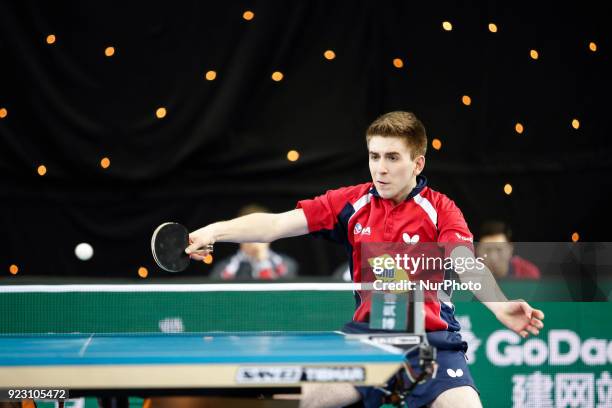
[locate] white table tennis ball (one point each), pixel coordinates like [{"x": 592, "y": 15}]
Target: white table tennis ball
[{"x": 83, "y": 251}]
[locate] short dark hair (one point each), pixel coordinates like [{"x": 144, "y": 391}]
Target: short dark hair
[
  {"x": 495, "y": 227},
  {"x": 404, "y": 125}
]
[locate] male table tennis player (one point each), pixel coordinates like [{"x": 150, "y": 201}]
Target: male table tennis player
[{"x": 396, "y": 203}]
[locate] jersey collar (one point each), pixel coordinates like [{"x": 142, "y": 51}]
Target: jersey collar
[{"x": 421, "y": 184}]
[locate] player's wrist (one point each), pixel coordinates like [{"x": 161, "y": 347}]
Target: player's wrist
[
  {"x": 495, "y": 307},
  {"x": 214, "y": 232}
]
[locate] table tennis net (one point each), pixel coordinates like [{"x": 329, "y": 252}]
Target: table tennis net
[{"x": 168, "y": 308}]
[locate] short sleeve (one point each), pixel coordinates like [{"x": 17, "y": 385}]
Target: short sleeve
[
  {"x": 323, "y": 214},
  {"x": 319, "y": 213},
  {"x": 453, "y": 231}
]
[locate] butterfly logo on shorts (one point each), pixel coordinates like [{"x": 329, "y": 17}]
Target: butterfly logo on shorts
[
  {"x": 454, "y": 373},
  {"x": 410, "y": 239}
]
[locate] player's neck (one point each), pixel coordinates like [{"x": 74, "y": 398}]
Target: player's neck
[{"x": 399, "y": 198}]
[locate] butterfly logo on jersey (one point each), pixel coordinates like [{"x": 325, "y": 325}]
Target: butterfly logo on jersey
[
  {"x": 410, "y": 239},
  {"x": 454, "y": 373}
]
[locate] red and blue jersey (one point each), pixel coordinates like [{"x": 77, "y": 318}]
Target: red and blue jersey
[{"x": 356, "y": 215}]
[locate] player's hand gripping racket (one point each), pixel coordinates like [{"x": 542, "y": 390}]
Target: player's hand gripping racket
[{"x": 168, "y": 245}]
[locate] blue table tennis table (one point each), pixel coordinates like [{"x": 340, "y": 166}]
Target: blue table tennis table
[{"x": 181, "y": 361}]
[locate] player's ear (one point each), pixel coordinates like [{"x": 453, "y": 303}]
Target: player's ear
[{"x": 419, "y": 165}]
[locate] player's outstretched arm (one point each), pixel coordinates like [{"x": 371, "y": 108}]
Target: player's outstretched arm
[
  {"x": 258, "y": 227},
  {"x": 517, "y": 315}
]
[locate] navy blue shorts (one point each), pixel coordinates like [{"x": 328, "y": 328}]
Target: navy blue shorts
[{"x": 452, "y": 371}]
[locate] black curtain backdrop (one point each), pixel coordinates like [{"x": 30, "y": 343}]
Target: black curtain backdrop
[{"x": 223, "y": 143}]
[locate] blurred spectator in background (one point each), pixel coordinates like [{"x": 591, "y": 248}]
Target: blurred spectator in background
[
  {"x": 495, "y": 246},
  {"x": 255, "y": 260}
]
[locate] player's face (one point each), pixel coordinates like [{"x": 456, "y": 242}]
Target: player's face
[
  {"x": 497, "y": 253},
  {"x": 393, "y": 170},
  {"x": 256, "y": 250}
]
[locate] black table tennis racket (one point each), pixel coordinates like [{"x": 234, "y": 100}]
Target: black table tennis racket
[{"x": 168, "y": 245}]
